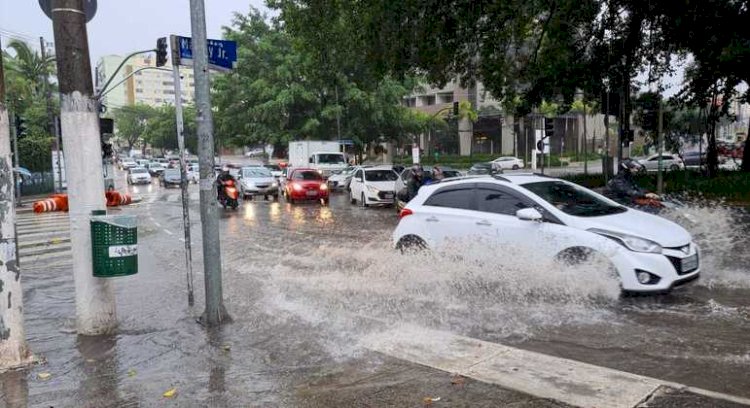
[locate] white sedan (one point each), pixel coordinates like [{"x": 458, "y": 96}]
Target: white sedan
[
  {"x": 508, "y": 163},
  {"x": 555, "y": 219}
]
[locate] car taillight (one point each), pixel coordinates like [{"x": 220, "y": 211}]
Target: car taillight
[{"x": 405, "y": 212}]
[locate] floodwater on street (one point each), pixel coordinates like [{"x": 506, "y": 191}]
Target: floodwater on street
[{"x": 304, "y": 284}]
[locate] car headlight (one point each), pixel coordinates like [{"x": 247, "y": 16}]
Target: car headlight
[
  {"x": 633, "y": 243},
  {"x": 274, "y": 184},
  {"x": 372, "y": 189},
  {"x": 324, "y": 186}
]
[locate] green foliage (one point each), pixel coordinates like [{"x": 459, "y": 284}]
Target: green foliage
[
  {"x": 131, "y": 123},
  {"x": 732, "y": 186},
  {"x": 35, "y": 153},
  {"x": 161, "y": 129},
  {"x": 292, "y": 83}
]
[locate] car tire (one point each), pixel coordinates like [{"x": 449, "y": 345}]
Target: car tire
[
  {"x": 411, "y": 244},
  {"x": 324, "y": 201},
  {"x": 515, "y": 167},
  {"x": 674, "y": 167},
  {"x": 575, "y": 256},
  {"x": 352, "y": 200},
  {"x": 364, "y": 201},
  {"x": 276, "y": 197}
]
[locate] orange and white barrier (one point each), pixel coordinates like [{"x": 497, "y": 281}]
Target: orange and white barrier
[
  {"x": 115, "y": 198},
  {"x": 57, "y": 202}
]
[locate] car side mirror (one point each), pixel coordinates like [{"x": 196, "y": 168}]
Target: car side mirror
[
  {"x": 310, "y": 160},
  {"x": 529, "y": 214}
]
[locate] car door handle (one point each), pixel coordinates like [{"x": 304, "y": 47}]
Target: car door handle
[
  {"x": 484, "y": 223},
  {"x": 432, "y": 219}
]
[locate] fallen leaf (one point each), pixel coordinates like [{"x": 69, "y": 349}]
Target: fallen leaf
[
  {"x": 44, "y": 376},
  {"x": 131, "y": 373},
  {"x": 170, "y": 393},
  {"x": 458, "y": 380},
  {"x": 430, "y": 400},
  {"x": 90, "y": 360},
  {"x": 226, "y": 347}
]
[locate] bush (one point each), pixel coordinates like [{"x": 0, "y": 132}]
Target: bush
[
  {"x": 732, "y": 186},
  {"x": 35, "y": 153}
]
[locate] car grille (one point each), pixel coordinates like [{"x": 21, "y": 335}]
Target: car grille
[
  {"x": 677, "y": 263},
  {"x": 381, "y": 194},
  {"x": 262, "y": 185}
]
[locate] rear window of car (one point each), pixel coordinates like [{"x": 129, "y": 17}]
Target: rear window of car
[
  {"x": 380, "y": 175},
  {"x": 306, "y": 175},
  {"x": 136, "y": 171},
  {"x": 454, "y": 197},
  {"x": 171, "y": 173}
]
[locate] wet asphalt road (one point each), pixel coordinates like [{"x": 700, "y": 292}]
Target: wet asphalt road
[{"x": 305, "y": 283}]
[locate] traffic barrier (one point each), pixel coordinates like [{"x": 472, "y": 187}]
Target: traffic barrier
[
  {"x": 57, "y": 202},
  {"x": 115, "y": 198}
]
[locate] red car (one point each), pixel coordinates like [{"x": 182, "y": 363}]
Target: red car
[{"x": 306, "y": 184}]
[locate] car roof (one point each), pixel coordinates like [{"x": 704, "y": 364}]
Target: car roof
[
  {"x": 515, "y": 178},
  {"x": 378, "y": 167}
]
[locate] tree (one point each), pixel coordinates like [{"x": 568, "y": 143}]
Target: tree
[
  {"x": 30, "y": 65},
  {"x": 131, "y": 123},
  {"x": 285, "y": 88},
  {"x": 161, "y": 129}
]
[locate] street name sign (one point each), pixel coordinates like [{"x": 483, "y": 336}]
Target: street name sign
[{"x": 222, "y": 54}]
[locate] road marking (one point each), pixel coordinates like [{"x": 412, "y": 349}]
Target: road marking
[
  {"x": 168, "y": 231},
  {"x": 540, "y": 375}
]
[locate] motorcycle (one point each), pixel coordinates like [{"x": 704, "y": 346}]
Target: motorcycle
[{"x": 230, "y": 198}]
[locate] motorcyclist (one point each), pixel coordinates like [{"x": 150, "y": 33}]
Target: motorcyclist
[
  {"x": 221, "y": 179},
  {"x": 624, "y": 187}
]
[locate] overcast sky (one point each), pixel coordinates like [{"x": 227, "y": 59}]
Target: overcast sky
[{"x": 121, "y": 26}]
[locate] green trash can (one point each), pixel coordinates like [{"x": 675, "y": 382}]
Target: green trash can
[{"x": 114, "y": 245}]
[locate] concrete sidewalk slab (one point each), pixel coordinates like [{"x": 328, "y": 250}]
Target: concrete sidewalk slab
[{"x": 541, "y": 375}]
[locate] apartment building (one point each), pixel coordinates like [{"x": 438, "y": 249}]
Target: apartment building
[{"x": 143, "y": 83}]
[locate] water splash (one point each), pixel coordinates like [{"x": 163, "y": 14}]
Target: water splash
[{"x": 470, "y": 288}]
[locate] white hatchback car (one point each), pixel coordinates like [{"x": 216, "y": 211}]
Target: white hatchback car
[
  {"x": 669, "y": 162},
  {"x": 555, "y": 218},
  {"x": 508, "y": 163},
  {"x": 373, "y": 185}
]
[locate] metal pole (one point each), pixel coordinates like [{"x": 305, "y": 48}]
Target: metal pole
[
  {"x": 79, "y": 117},
  {"x": 585, "y": 142},
  {"x": 183, "y": 180},
  {"x": 660, "y": 179},
  {"x": 215, "y": 312},
  {"x": 14, "y": 351},
  {"x": 605, "y": 162},
  {"x": 52, "y": 125},
  {"x": 15, "y": 162}
]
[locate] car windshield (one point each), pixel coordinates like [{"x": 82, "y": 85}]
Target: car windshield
[
  {"x": 255, "y": 172},
  {"x": 172, "y": 173},
  {"x": 380, "y": 175},
  {"x": 332, "y": 158},
  {"x": 136, "y": 171},
  {"x": 573, "y": 199},
  {"x": 272, "y": 167},
  {"x": 156, "y": 165},
  {"x": 307, "y": 175},
  {"x": 450, "y": 173}
]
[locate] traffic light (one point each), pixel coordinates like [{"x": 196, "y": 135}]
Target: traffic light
[
  {"x": 455, "y": 108},
  {"x": 106, "y": 129},
  {"x": 161, "y": 51},
  {"x": 21, "y": 127},
  {"x": 549, "y": 127}
]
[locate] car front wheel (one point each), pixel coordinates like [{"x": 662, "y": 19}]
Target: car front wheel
[
  {"x": 363, "y": 203},
  {"x": 515, "y": 167},
  {"x": 351, "y": 198},
  {"x": 411, "y": 244}
]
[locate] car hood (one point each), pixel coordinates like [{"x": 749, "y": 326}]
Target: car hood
[
  {"x": 638, "y": 223},
  {"x": 258, "y": 180},
  {"x": 383, "y": 185},
  {"x": 140, "y": 175},
  {"x": 342, "y": 177}
]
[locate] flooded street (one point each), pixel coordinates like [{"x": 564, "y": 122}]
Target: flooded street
[{"x": 305, "y": 285}]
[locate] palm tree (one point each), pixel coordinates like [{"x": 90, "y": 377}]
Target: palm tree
[{"x": 29, "y": 65}]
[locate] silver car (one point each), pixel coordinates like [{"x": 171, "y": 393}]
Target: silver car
[{"x": 258, "y": 181}]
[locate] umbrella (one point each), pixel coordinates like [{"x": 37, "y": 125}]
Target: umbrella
[{"x": 22, "y": 171}]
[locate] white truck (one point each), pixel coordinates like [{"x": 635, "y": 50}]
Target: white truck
[{"x": 321, "y": 155}]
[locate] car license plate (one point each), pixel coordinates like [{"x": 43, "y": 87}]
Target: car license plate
[
  {"x": 312, "y": 193},
  {"x": 388, "y": 196},
  {"x": 690, "y": 263}
]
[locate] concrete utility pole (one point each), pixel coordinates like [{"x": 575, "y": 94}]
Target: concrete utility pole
[
  {"x": 13, "y": 349},
  {"x": 79, "y": 117},
  {"x": 215, "y": 312},
  {"x": 183, "y": 176}
]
